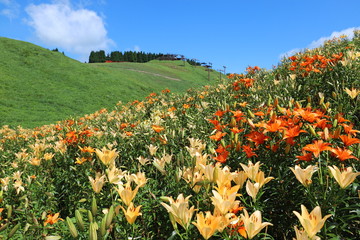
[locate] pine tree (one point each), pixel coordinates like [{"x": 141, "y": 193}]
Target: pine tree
[{"x": 92, "y": 57}]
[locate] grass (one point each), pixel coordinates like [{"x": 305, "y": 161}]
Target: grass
[{"x": 39, "y": 86}]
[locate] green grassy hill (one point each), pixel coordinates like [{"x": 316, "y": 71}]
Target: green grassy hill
[{"x": 39, "y": 86}]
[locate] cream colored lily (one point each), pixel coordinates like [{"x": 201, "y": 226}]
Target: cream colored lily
[
  {"x": 239, "y": 177},
  {"x": 98, "y": 182},
  {"x": 179, "y": 210},
  {"x": 152, "y": 149},
  {"x": 304, "y": 175},
  {"x": 253, "y": 224},
  {"x": 345, "y": 177},
  {"x": 251, "y": 169},
  {"x": 222, "y": 176},
  {"x": 313, "y": 222},
  {"x": 115, "y": 175},
  {"x": 252, "y": 189},
  {"x": 139, "y": 178}
]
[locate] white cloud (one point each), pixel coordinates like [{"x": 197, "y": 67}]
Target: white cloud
[
  {"x": 11, "y": 9},
  {"x": 349, "y": 32},
  {"x": 289, "y": 53},
  {"x": 78, "y": 31}
]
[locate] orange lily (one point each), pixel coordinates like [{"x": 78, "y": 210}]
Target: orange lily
[
  {"x": 218, "y": 136},
  {"x": 317, "y": 147},
  {"x": 256, "y": 137},
  {"x": 342, "y": 153},
  {"x": 157, "y": 128},
  {"x": 52, "y": 219},
  {"x": 348, "y": 140},
  {"x": 249, "y": 151}
]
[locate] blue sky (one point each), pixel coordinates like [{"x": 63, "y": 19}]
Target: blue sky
[{"x": 233, "y": 33}]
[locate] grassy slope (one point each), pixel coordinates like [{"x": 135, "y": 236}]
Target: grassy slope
[{"x": 38, "y": 86}]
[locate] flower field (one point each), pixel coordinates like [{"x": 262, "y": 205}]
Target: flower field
[{"x": 260, "y": 155}]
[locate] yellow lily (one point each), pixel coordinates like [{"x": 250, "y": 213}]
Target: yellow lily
[
  {"x": 225, "y": 200},
  {"x": 107, "y": 156},
  {"x": 313, "y": 222},
  {"x": 223, "y": 176},
  {"x": 302, "y": 235},
  {"x": 126, "y": 193},
  {"x": 208, "y": 171},
  {"x": 208, "y": 224},
  {"x": 131, "y": 213},
  {"x": 304, "y": 175},
  {"x": 344, "y": 178},
  {"x": 260, "y": 178},
  {"x": 253, "y": 224},
  {"x": 353, "y": 92}
]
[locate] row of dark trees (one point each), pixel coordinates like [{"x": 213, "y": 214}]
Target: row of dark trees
[
  {"x": 140, "y": 57},
  {"x": 127, "y": 56}
]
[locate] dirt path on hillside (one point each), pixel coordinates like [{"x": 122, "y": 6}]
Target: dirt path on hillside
[{"x": 154, "y": 74}]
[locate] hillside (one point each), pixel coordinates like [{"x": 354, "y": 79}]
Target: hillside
[{"x": 39, "y": 86}]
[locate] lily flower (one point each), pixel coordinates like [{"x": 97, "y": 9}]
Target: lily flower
[
  {"x": 353, "y": 92},
  {"x": 302, "y": 235},
  {"x": 208, "y": 224},
  {"x": 126, "y": 193},
  {"x": 224, "y": 200},
  {"x": 345, "y": 177},
  {"x": 304, "y": 175},
  {"x": 131, "y": 213},
  {"x": 239, "y": 177},
  {"x": 52, "y": 219},
  {"x": 152, "y": 149},
  {"x": 317, "y": 147},
  {"x": 139, "y": 178},
  {"x": 260, "y": 178},
  {"x": 253, "y": 224},
  {"x": 342, "y": 153},
  {"x": 97, "y": 183},
  {"x": 252, "y": 189},
  {"x": 107, "y": 156},
  {"x": 179, "y": 210},
  {"x": 115, "y": 175},
  {"x": 251, "y": 169},
  {"x": 313, "y": 222}
]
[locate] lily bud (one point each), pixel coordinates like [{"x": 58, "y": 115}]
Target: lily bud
[
  {"x": 110, "y": 216},
  {"x": 94, "y": 206},
  {"x": 72, "y": 228},
  {"x": 79, "y": 220}
]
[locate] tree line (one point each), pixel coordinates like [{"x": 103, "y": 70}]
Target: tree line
[
  {"x": 127, "y": 56},
  {"x": 140, "y": 57}
]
